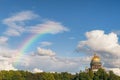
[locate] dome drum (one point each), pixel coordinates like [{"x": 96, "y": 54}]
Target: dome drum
[{"x": 95, "y": 63}]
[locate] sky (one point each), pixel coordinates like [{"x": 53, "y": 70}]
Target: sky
[{"x": 58, "y": 36}]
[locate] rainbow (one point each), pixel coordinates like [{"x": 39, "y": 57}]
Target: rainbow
[{"x": 30, "y": 40}]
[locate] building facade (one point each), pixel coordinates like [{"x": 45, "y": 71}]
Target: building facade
[{"x": 95, "y": 63}]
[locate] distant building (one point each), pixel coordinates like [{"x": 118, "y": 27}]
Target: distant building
[{"x": 95, "y": 63}]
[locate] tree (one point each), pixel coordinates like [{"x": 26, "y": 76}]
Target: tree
[
  {"x": 101, "y": 73},
  {"x": 91, "y": 74},
  {"x": 112, "y": 76},
  {"x": 83, "y": 76},
  {"x": 66, "y": 76}
]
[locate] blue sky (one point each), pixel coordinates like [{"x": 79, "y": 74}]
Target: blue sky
[{"x": 78, "y": 20}]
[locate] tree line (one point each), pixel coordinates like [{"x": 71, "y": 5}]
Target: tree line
[{"x": 101, "y": 74}]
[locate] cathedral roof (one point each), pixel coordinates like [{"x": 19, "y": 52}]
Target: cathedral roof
[{"x": 95, "y": 58}]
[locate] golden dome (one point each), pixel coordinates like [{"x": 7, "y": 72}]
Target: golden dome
[{"x": 96, "y": 58}]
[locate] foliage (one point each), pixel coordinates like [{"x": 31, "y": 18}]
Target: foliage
[{"x": 101, "y": 74}]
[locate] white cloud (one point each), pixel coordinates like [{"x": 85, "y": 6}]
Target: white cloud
[
  {"x": 36, "y": 70},
  {"x": 46, "y": 61},
  {"x": 6, "y": 66},
  {"x": 3, "y": 40},
  {"x": 55, "y": 64},
  {"x": 50, "y": 27},
  {"x": 16, "y": 25},
  {"x": 45, "y": 52},
  {"x": 16, "y": 22},
  {"x": 106, "y": 45},
  {"x": 98, "y": 41},
  {"x": 117, "y": 32},
  {"x": 6, "y": 52},
  {"x": 115, "y": 70},
  {"x": 14, "y": 31},
  {"x": 45, "y": 43},
  {"x": 7, "y": 56},
  {"x": 6, "y": 60},
  {"x": 22, "y": 16}
]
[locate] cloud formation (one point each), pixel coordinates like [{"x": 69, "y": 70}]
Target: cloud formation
[
  {"x": 97, "y": 40},
  {"x": 115, "y": 70},
  {"x": 54, "y": 63},
  {"x": 36, "y": 70},
  {"x": 6, "y": 58},
  {"x": 106, "y": 45},
  {"x": 117, "y": 32},
  {"x": 5, "y": 65},
  {"x": 16, "y": 23},
  {"x": 3, "y": 40},
  {"x": 50, "y": 27},
  {"x": 45, "y": 52}
]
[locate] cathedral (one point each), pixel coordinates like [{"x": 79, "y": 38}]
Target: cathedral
[{"x": 95, "y": 63}]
